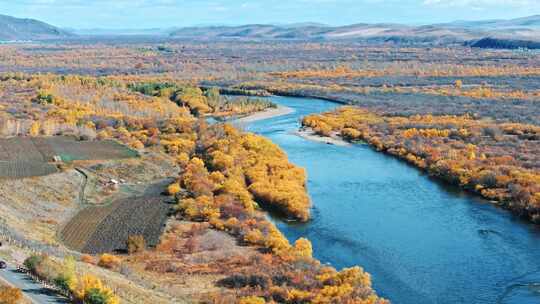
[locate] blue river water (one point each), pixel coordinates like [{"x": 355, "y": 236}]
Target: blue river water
[{"x": 422, "y": 241}]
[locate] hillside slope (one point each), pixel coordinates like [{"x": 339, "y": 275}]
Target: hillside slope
[
  {"x": 12, "y": 28},
  {"x": 525, "y": 22},
  {"x": 527, "y": 28}
]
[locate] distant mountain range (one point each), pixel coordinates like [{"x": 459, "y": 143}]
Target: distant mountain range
[
  {"x": 526, "y": 22},
  {"x": 396, "y": 32},
  {"x": 460, "y": 31},
  {"x": 12, "y": 28},
  {"x": 521, "y": 31},
  {"x": 122, "y": 32}
]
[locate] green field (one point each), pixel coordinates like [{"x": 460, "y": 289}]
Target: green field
[{"x": 22, "y": 157}]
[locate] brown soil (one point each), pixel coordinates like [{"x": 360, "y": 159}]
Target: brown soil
[
  {"x": 106, "y": 229},
  {"x": 22, "y": 157}
]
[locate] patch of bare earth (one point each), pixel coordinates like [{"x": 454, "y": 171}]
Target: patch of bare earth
[
  {"x": 189, "y": 261},
  {"x": 152, "y": 166}
]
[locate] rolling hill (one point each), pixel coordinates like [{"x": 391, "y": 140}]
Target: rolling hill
[
  {"x": 374, "y": 32},
  {"x": 456, "y": 32},
  {"x": 525, "y": 22},
  {"x": 503, "y": 33},
  {"x": 12, "y": 28}
]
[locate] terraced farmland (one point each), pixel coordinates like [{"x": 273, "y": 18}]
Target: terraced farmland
[
  {"x": 106, "y": 229},
  {"x": 22, "y": 157},
  {"x": 81, "y": 228}
]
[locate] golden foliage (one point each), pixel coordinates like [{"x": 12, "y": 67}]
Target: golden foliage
[
  {"x": 10, "y": 295},
  {"x": 302, "y": 248},
  {"x": 89, "y": 285},
  {"x": 136, "y": 244},
  {"x": 435, "y": 70},
  {"x": 459, "y": 149},
  {"x": 269, "y": 177},
  {"x": 109, "y": 261},
  {"x": 83, "y": 290},
  {"x": 174, "y": 188},
  {"x": 88, "y": 259},
  {"x": 252, "y": 300}
]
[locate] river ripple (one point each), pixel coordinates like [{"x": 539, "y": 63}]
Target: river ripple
[{"x": 422, "y": 241}]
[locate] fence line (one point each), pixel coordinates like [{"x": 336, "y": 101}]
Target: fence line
[{"x": 11, "y": 237}]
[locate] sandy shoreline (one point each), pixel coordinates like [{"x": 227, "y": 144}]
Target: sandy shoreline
[
  {"x": 310, "y": 135},
  {"x": 306, "y": 133},
  {"x": 274, "y": 112}
]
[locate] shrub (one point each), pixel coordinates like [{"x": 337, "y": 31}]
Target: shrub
[
  {"x": 254, "y": 236},
  {"x": 65, "y": 282},
  {"x": 92, "y": 291},
  {"x": 95, "y": 296},
  {"x": 34, "y": 129},
  {"x": 136, "y": 244},
  {"x": 252, "y": 300},
  {"x": 108, "y": 261},
  {"x": 10, "y": 295},
  {"x": 33, "y": 261},
  {"x": 303, "y": 249},
  {"x": 44, "y": 97},
  {"x": 88, "y": 259},
  {"x": 173, "y": 189},
  {"x": 65, "y": 278},
  {"x": 241, "y": 281}
]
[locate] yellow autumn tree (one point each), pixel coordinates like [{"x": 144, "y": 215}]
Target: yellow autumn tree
[{"x": 90, "y": 289}]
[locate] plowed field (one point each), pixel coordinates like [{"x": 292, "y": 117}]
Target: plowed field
[
  {"x": 22, "y": 157},
  {"x": 106, "y": 229}
]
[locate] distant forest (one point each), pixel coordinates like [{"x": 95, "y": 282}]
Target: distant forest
[{"x": 492, "y": 43}]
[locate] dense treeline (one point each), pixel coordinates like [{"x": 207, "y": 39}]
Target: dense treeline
[
  {"x": 240, "y": 92},
  {"x": 498, "y": 160},
  {"x": 222, "y": 184},
  {"x": 201, "y": 102},
  {"x": 264, "y": 167},
  {"x": 502, "y": 104},
  {"x": 493, "y": 43},
  {"x": 234, "y": 60},
  {"x": 86, "y": 289},
  {"x": 436, "y": 70},
  {"x": 104, "y": 108}
]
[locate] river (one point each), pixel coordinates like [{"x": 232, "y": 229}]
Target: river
[{"x": 422, "y": 241}]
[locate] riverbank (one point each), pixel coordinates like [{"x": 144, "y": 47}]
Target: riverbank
[
  {"x": 369, "y": 210},
  {"x": 309, "y": 134},
  {"x": 266, "y": 114},
  {"x": 417, "y": 146}
]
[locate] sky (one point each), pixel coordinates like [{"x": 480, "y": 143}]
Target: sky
[{"x": 122, "y": 14}]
